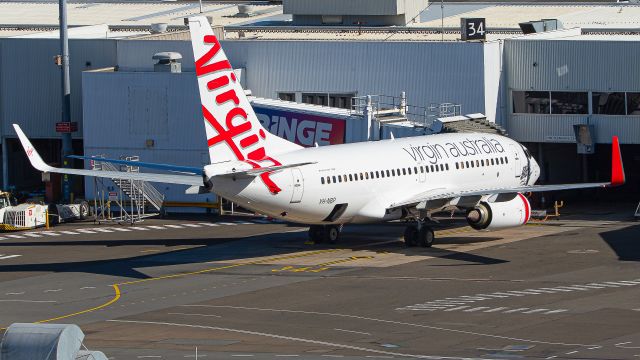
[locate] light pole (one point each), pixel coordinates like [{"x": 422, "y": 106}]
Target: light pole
[{"x": 67, "y": 146}]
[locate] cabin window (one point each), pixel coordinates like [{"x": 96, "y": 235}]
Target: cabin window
[
  {"x": 415, "y": 170},
  {"x": 335, "y": 180},
  {"x": 339, "y": 178},
  {"x": 361, "y": 176},
  {"x": 388, "y": 173},
  {"x": 366, "y": 175},
  {"x": 382, "y": 173},
  {"x": 350, "y": 177},
  {"x": 492, "y": 162},
  {"x": 446, "y": 166},
  {"x": 409, "y": 171},
  {"x": 322, "y": 180},
  {"x": 506, "y": 160},
  {"x": 404, "y": 171},
  {"x": 421, "y": 169}
]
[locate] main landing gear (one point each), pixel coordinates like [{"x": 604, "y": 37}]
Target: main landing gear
[
  {"x": 418, "y": 235},
  {"x": 325, "y": 233}
]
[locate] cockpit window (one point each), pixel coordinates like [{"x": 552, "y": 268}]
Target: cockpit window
[{"x": 527, "y": 152}]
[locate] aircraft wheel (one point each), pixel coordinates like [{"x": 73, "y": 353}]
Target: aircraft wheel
[
  {"x": 410, "y": 236},
  {"x": 332, "y": 234},
  {"x": 425, "y": 237}
]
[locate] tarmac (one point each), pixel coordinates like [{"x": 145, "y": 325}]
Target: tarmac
[{"x": 247, "y": 287}]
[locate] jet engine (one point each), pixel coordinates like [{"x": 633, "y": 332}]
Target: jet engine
[{"x": 512, "y": 212}]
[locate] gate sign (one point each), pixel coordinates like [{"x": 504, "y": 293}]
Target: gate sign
[
  {"x": 473, "y": 29},
  {"x": 303, "y": 129}
]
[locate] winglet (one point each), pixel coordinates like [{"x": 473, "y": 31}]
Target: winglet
[
  {"x": 32, "y": 154},
  {"x": 617, "y": 168}
]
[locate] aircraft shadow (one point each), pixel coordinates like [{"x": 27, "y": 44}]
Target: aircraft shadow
[
  {"x": 232, "y": 249},
  {"x": 624, "y": 242}
]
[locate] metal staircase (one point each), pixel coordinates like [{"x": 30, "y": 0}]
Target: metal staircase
[{"x": 141, "y": 194}]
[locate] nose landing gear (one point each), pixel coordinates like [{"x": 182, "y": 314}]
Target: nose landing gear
[
  {"x": 419, "y": 235},
  {"x": 325, "y": 233}
]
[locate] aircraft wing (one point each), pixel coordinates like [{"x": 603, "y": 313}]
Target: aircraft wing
[
  {"x": 39, "y": 164},
  {"x": 261, "y": 170},
  {"x": 437, "y": 198}
]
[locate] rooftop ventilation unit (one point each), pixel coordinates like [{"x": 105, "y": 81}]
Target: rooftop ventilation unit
[
  {"x": 167, "y": 62},
  {"x": 538, "y": 26},
  {"x": 158, "y": 28}
]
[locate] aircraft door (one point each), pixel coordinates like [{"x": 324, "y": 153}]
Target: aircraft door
[
  {"x": 298, "y": 185},
  {"x": 517, "y": 166}
]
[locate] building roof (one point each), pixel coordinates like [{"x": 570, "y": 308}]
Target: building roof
[{"x": 266, "y": 21}]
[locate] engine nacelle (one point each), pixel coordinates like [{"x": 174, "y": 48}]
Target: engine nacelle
[{"x": 501, "y": 214}]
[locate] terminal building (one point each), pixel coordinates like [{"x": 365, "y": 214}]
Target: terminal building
[{"x": 311, "y": 65}]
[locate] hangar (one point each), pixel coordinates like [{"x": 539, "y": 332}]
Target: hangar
[{"x": 536, "y": 85}]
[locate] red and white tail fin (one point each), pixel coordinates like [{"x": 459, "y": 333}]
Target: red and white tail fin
[{"x": 233, "y": 130}]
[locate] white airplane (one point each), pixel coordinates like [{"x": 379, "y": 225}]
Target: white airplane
[{"x": 326, "y": 187}]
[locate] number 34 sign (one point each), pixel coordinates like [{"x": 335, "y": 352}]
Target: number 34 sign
[{"x": 473, "y": 29}]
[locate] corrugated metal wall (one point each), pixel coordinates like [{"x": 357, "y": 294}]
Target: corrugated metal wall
[
  {"x": 429, "y": 72},
  {"x": 30, "y": 81},
  {"x": 572, "y": 65}
]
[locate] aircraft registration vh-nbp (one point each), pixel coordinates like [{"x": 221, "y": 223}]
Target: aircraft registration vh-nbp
[{"x": 326, "y": 187}]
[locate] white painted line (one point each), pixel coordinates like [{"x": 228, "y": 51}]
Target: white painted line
[
  {"x": 51, "y": 233},
  {"x": 138, "y": 228},
  {"x": 515, "y": 310},
  {"x": 523, "y": 292},
  {"x": 27, "y": 301},
  {"x": 619, "y": 283},
  {"x": 179, "y": 227},
  {"x": 15, "y": 293},
  {"x": 538, "y": 291},
  {"x": 189, "y": 314},
  {"x": 535, "y": 311},
  {"x": 34, "y": 235},
  {"x": 552, "y": 290},
  {"x": 555, "y": 311},
  {"x": 458, "y": 308},
  {"x": 631, "y": 283},
  {"x": 226, "y": 223},
  {"x": 498, "y": 296},
  {"x": 67, "y": 232},
  {"x": 623, "y": 343},
  {"x": 287, "y": 355},
  {"x": 462, "y": 300},
  {"x": 551, "y": 357},
  {"x": 87, "y": 287},
  {"x": 243, "y": 223},
  {"x": 149, "y": 356},
  {"x": 208, "y": 224},
  {"x": 355, "y": 332},
  {"x": 120, "y": 229},
  {"x": 561, "y": 288},
  {"x": 193, "y": 225},
  {"x": 606, "y": 285},
  {"x": 9, "y": 257},
  {"x": 54, "y": 290},
  {"x": 572, "y": 352},
  {"x": 474, "y": 298},
  {"x": 15, "y": 236},
  {"x": 337, "y": 356},
  {"x": 573, "y": 288},
  {"x": 507, "y": 294},
  {"x": 2, "y": 238},
  {"x": 103, "y": 230},
  {"x": 476, "y": 309},
  {"x": 496, "y": 309},
  {"x": 155, "y": 227},
  {"x": 86, "y": 231},
  {"x": 242, "y": 355}
]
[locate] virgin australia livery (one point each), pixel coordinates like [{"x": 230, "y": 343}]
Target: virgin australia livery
[{"x": 329, "y": 186}]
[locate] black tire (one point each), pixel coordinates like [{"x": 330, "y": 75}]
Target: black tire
[
  {"x": 332, "y": 234},
  {"x": 410, "y": 236},
  {"x": 426, "y": 237},
  {"x": 83, "y": 210},
  {"x": 316, "y": 233}
]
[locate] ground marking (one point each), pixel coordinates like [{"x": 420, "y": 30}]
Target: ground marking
[
  {"x": 15, "y": 236},
  {"x": 351, "y": 331},
  {"x": 68, "y": 232},
  {"x": 103, "y": 230},
  {"x": 27, "y": 301},
  {"x": 289, "y": 338},
  {"x": 53, "y": 290},
  {"x": 193, "y": 225},
  {"x": 120, "y": 229},
  {"x": 555, "y": 311},
  {"x": 422, "y": 326},
  {"x": 174, "y": 226},
  {"x": 9, "y": 257},
  {"x": 208, "y": 224},
  {"x": 34, "y": 235},
  {"x": 86, "y": 231},
  {"x": 496, "y": 309},
  {"x": 515, "y": 310},
  {"x": 227, "y": 223},
  {"x": 15, "y": 293},
  {"x": 188, "y": 314},
  {"x": 476, "y": 309}
]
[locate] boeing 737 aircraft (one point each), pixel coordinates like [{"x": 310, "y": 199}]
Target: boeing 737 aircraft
[{"x": 326, "y": 187}]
